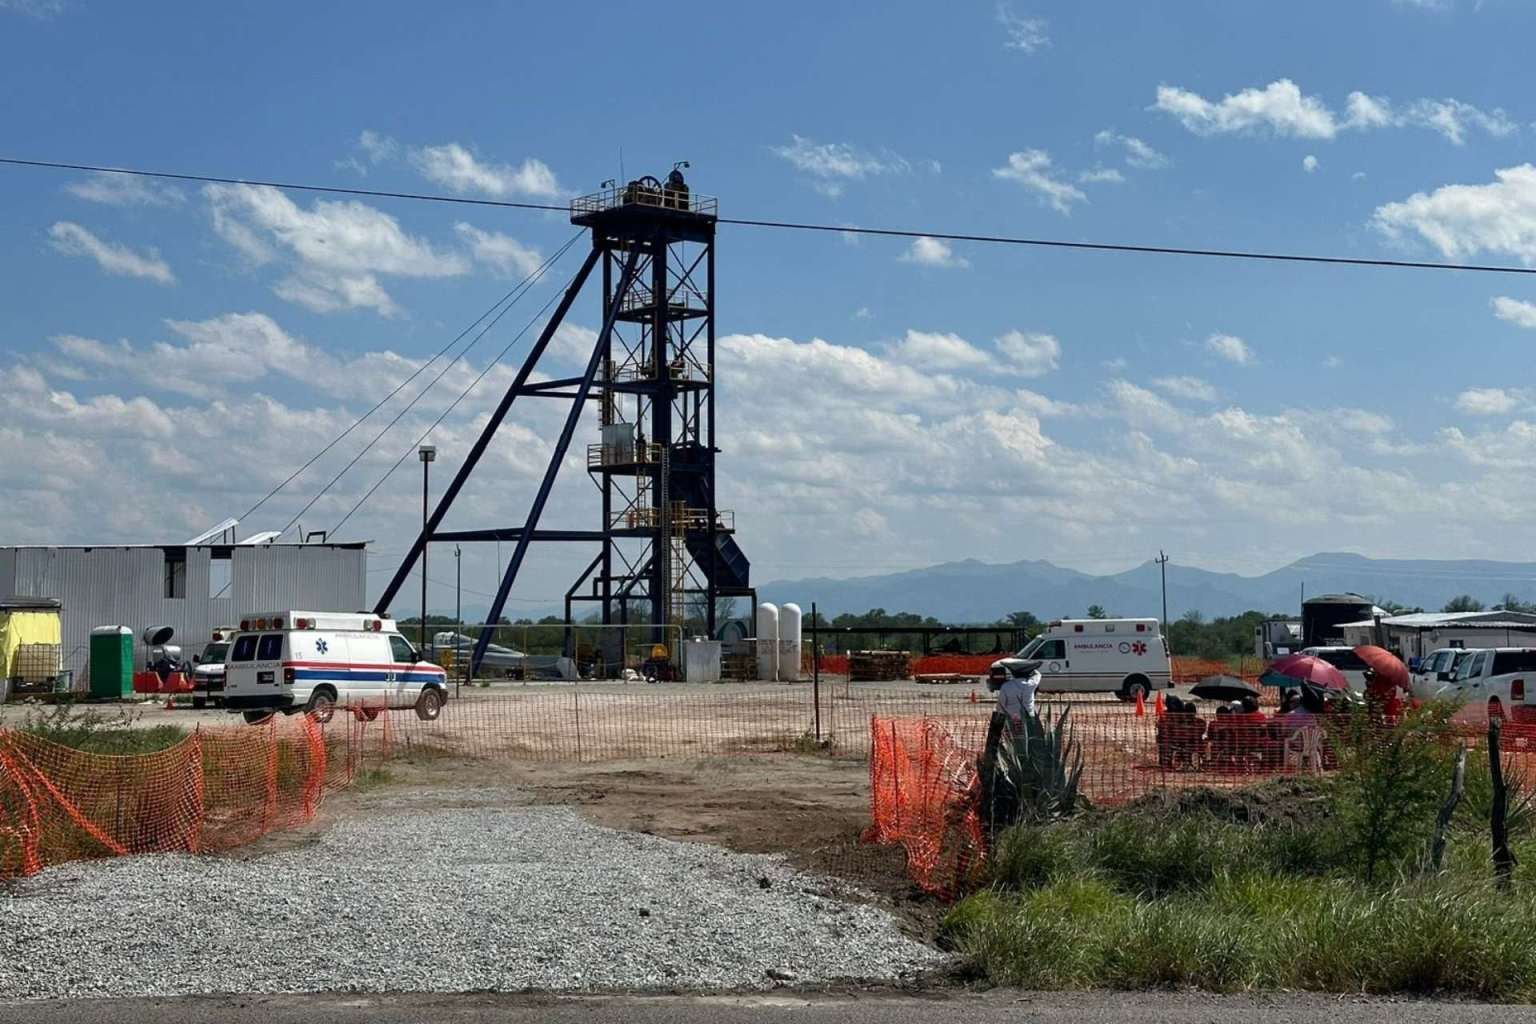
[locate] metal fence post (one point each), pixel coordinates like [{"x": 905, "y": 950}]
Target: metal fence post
[{"x": 815, "y": 673}]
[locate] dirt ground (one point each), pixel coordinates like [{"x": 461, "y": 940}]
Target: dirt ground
[{"x": 811, "y": 809}]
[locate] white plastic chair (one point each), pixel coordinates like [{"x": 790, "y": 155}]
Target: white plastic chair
[{"x": 1304, "y": 749}]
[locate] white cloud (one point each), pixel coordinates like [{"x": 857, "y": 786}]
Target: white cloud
[
  {"x": 1453, "y": 118},
  {"x": 453, "y": 166},
  {"x": 1333, "y": 362},
  {"x": 502, "y": 253},
  {"x": 1231, "y": 348},
  {"x": 40, "y": 9},
  {"x": 1487, "y": 401},
  {"x": 832, "y": 164},
  {"x": 335, "y": 250},
  {"x": 1137, "y": 152},
  {"x": 1279, "y": 107},
  {"x": 125, "y": 190},
  {"x": 73, "y": 240},
  {"x": 939, "y": 351},
  {"x": 1362, "y": 111},
  {"x": 933, "y": 252},
  {"x": 378, "y": 147},
  {"x": 1284, "y": 110},
  {"x": 863, "y": 313},
  {"x": 1101, "y": 176},
  {"x": 1192, "y": 388},
  {"x": 1309, "y": 163},
  {"x": 1031, "y": 168},
  {"x": 1460, "y": 220},
  {"x": 1029, "y": 354},
  {"x": 1027, "y": 35},
  {"x": 1515, "y": 311}
]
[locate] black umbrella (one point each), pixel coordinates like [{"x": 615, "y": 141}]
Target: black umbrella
[{"x": 1224, "y": 688}]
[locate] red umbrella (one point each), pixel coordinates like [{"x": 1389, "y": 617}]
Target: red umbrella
[
  {"x": 1304, "y": 668},
  {"x": 1389, "y": 668}
]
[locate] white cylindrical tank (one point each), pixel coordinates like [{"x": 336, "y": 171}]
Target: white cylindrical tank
[
  {"x": 768, "y": 641},
  {"x": 789, "y": 643}
]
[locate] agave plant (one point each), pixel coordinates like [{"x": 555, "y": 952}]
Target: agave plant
[{"x": 1037, "y": 772}]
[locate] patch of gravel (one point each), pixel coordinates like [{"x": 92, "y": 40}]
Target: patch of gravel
[{"x": 443, "y": 900}]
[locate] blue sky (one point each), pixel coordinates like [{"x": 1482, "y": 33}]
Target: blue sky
[{"x": 885, "y": 404}]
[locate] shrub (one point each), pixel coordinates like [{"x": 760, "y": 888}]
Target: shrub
[
  {"x": 1392, "y": 783},
  {"x": 1038, "y": 770}
]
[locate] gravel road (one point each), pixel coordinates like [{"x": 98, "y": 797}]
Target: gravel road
[{"x": 443, "y": 899}]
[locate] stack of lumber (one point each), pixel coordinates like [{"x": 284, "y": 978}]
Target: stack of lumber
[{"x": 879, "y": 666}]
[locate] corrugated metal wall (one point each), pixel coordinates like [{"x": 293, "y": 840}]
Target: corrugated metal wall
[{"x": 106, "y": 586}]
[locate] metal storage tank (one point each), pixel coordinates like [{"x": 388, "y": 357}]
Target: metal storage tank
[
  {"x": 768, "y": 641},
  {"x": 789, "y": 642}
]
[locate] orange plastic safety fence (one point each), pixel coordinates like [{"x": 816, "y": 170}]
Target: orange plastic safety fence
[{"x": 214, "y": 790}]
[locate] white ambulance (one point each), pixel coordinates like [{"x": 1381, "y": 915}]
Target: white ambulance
[
  {"x": 312, "y": 661},
  {"x": 1123, "y": 656}
]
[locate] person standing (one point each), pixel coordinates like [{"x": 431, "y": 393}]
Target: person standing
[{"x": 1013, "y": 713}]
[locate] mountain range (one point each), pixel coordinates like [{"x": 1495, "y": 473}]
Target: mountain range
[{"x": 974, "y": 591}]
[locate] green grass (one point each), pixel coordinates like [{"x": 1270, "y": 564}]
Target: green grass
[
  {"x": 1261, "y": 889},
  {"x": 1249, "y": 931},
  {"x": 94, "y": 732}
]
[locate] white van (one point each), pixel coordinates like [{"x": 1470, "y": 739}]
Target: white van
[
  {"x": 312, "y": 661},
  {"x": 1350, "y": 665},
  {"x": 1124, "y": 656},
  {"x": 1504, "y": 678}
]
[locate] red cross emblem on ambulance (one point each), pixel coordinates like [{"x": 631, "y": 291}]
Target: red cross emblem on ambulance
[{"x": 1138, "y": 648}]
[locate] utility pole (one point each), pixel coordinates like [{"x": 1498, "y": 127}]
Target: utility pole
[{"x": 1162, "y": 565}]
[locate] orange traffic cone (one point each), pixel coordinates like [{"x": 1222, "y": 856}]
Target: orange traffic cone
[
  {"x": 973, "y": 696},
  {"x": 1141, "y": 704},
  {"x": 1157, "y": 704}
]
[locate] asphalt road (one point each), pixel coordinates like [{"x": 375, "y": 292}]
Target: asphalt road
[{"x": 873, "y": 1008}]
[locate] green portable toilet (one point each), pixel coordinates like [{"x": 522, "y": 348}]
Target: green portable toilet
[{"x": 111, "y": 662}]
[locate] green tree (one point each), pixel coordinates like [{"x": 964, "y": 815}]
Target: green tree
[
  {"x": 1463, "y": 603},
  {"x": 1096, "y": 611},
  {"x": 1512, "y": 603}
]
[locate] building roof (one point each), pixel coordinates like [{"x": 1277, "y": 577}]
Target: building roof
[
  {"x": 1443, "y": 620},
  {"x": 16, "y": 604},
  {"x": 349, "y": 544}
]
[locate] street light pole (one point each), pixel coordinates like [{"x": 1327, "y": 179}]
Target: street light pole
[
  {"x": 458, "y": 609},
  {"x": 427, "y": 453},
  {"x": 1162, "y": 564}
]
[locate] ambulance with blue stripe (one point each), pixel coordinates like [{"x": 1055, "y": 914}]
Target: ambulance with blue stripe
[{"x": 315, "y": 661}]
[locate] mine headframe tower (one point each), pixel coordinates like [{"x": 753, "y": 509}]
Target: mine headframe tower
[{"x": 663, "y": 541}]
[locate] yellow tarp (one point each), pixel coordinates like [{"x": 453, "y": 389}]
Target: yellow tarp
[{"x": 26, "y": 626}]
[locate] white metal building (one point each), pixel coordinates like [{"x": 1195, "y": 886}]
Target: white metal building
[
  {"x": 191, "y": 588},
  {"x": 1416, "y": 634}
]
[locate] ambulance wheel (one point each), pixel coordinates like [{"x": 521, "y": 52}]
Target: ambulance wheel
[
  {"x": 256, "y": 717},
  {"x": 430, "y": 704},
  {"x": 1134, "y": 687},
  {"x": 322, "y": 704}
]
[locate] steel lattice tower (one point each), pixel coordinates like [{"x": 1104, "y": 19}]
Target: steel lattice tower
[{"x": 662, "y": 540}]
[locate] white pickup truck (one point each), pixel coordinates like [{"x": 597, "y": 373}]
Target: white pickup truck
[{"x": 1504, "y": 678}]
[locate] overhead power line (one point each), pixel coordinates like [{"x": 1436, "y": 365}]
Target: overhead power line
[
  {"x": 521, "y": 290},
  {"x": 510, "y": 298},
  {"x": 947, "y": 236},
  {"x": 444, "y": 415}
]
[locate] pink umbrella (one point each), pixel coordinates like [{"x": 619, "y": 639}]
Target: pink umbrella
[{"x": 1304, "y": 668}]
